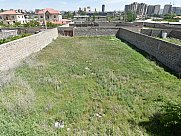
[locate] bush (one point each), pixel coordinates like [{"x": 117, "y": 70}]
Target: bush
[
  {"x": 171, "y": 115},
  {"x": 13, "y": 38}
]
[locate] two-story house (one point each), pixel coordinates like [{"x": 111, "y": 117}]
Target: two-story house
[
  {"x": 10, "y": 17},
  {"x": 50, "y": 15}
]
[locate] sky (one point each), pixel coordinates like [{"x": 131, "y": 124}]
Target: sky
[{"x": 71, "y": 5}]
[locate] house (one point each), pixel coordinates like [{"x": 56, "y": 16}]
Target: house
[
  {"x": 50, "y": 15},
  {"x": 10, "y": 17}
]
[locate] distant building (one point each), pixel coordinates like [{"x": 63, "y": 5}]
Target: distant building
[
  {"x": 100, "y": 19},
  {"x": 176, "y": 10},
  {"x": 153, "y": 10},
  {"x": 139, "y": 8},
  {"x": 80, "y": 19},
  {"x": 10, "y": 17},
  {"x": 50, "y": 15},
  {"x": 132, "y": 7},
  {"x": 89, "y": 9},
  {"x": 103, "y": 8},
  {"x": 167, "y": 9},
  {"x": 142, "y": 9}
]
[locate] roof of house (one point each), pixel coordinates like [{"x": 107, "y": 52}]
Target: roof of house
[
  {"x": 50, "y": 10},
  {"x": 10, "y": 12}
]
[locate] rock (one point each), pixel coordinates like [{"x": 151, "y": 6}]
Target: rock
[{"x": 59, "y": 124}]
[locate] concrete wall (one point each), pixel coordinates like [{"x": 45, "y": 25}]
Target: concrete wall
[
  {"x": 94, "y": 31},
  {"x": 167, "y": 53},
  {"x": 8, "y": 33},
  {"x": 13, "y": 52}
]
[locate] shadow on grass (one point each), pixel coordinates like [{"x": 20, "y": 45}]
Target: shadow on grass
[
  {"x": 152, "y": 58},
  {"x": 156, "y": 128}
]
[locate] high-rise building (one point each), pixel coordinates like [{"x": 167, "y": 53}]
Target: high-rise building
[
  {"x": 103, "y": 8},
  {"x": 176, "y": 10},
  {"x": 139, "y": 8},
  {"x": 153, "y": 10},
  {"x": 142, "y": 9},
  {"x": 167, "y": 9},
  {"x": 132, "y": 7},
  {"x": 157, "y": 9}
]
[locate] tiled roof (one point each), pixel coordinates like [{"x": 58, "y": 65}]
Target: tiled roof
[
  {"x": 50, "y": 10},
  {"x": 10, "y": 12}
]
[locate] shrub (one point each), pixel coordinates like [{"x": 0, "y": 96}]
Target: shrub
[{"x": 171, "y": 115}]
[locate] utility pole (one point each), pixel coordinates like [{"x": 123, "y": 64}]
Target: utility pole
[{"x": 45, "y": 19}]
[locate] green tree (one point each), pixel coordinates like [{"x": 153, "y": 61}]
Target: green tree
[{"x": 130, "y": 16}]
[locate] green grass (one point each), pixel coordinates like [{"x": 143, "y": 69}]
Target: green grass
[
  {"x": 96, "y": 85},
  {"x": 2, "y": 41},
  {"x": 172, "y": 40}
]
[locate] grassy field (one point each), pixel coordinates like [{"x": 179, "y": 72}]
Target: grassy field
[{"x": 95, "y": 85}]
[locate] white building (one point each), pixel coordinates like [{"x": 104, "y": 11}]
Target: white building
[
  {"x": 11, "y": 17},
  {"x": 50, "y": 15}
]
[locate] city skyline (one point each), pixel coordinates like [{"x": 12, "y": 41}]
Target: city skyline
[{"x": 71, "y": 5}]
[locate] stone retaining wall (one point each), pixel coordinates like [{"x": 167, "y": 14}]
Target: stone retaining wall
[
  {"x": 158, "y": 32},
  {"x": 13, "y": 52},
  {"x": 167, "y": 53},
  {"x": 94, "y": 31}
]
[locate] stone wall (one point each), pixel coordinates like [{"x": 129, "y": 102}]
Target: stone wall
[
  {"x": 155, "y": 32},
  {"x": 158, "y": 32},
  {"x": 13, "y": 52},
  {"x": 167, "y": 53},
  {"x": 95, "y": 31},
  {"x": 8, "y": 33},
  {"x": 175, "y": 34}
]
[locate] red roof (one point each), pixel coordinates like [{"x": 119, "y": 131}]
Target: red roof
[
  {"x": 50, "y": 10},
  {"x": 10, "y": 12}
]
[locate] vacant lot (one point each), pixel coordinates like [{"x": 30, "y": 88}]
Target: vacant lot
[{"x": 95, "y": 85}]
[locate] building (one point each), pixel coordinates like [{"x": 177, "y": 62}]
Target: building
[
  {"x": 103, "y": 8},
  {"x": 139, "y": 8},
  {"x": 50, "y": 15},
  {"x": 142, "y": 9},
  {"x": 100, "y": 19},
  {"x": 80, "y": 19},
  {"x": 176, "y": 10},
  {"x": 132, "y": 7},
  {"x": 153, "y": 10},
  {"x": 167, "y": 9},
  {"x": 157, "y": 10},
  {"x": 10, "y": 17}
]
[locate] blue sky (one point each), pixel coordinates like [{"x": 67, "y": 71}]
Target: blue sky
[{"x": 75, "y": 4}]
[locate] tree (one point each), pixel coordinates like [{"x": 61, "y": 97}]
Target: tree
[
  {"x": 32, "y": 23},
  {"x": 130, "y": 16}
]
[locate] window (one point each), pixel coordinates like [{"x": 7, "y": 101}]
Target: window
[
  {"x": 12, "y": 17},
  {"x": 1, "y": 17},
  {"x": 41, "y": 16},
  {"x": 54, "y": 16}
]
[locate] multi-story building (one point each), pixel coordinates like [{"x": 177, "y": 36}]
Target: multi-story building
[
  {"x": 103, "y": 8},
  {"x": 132, "y": 7},
  {"x": 167, "y": 9},
  {"x": 10, "y": 17},
  {"x": 139, "y": 8},
  {"x": 142, "y": 9},
  {"x": 157, "y": 9},
  {"x": 153, "y": 10},
  {"x": 50, "y": 15},
  {"x": 176, "y": 10}
]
